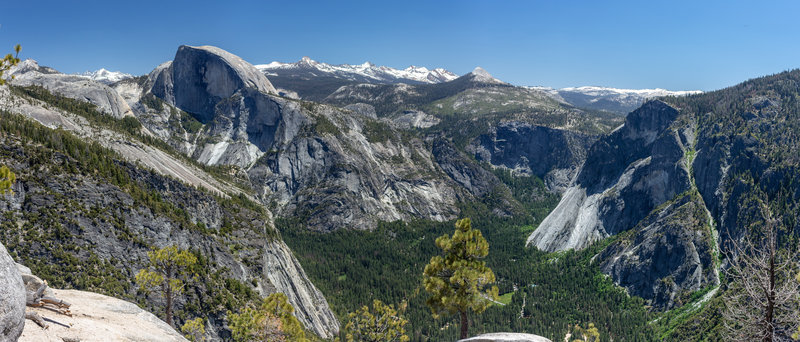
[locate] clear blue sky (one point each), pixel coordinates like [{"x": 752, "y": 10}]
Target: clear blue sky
[{"x": 627, "y": 44}]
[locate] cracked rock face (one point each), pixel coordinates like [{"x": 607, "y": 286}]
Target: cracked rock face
[
  {"x": 663, "y": 253},
  {"x": 669, "y": 253},
  {"x": 625, "y": 176},
  {"x": 553, "y": 155},
  {"x": 203, "y": 76},
  {"x": 12, "y": 298}
]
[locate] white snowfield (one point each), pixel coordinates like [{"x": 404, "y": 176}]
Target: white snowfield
[
  {"x": 105, "y": 76},
  {"x": 606, "y": 91},
  {"x": 365, "y": 70},
  {"x": 657, "y": 92}
]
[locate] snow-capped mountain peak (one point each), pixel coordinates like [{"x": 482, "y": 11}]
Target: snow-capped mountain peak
[
  {"x": 365, "y": 72},
  {"x": 105, "y": 76}
]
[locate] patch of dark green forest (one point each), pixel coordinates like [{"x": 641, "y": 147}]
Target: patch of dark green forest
[{"x": 549, "y": 293}]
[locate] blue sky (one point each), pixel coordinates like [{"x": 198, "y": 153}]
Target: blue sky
[{"x": 675, "y": 45}]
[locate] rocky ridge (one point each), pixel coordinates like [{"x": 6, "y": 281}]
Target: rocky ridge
[
  {"x": 639, "y": 171},
  {"x": 310, "y": 303}
]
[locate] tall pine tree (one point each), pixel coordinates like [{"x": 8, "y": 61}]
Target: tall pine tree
[{"x": 457, "y": 279}]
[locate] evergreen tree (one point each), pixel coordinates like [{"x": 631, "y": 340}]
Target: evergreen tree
[
  {"x": 194, "y": 330},
  {"x": 7, "y": 179},
  {"x": 7, "y": 62},
  {"x": 166, "y": 271},
  {"x": 588, "y": 334},
  {"x": 273, "y": 321},
  {"x": 457, "y": 278},
  {"x": 383, "y": 324}
]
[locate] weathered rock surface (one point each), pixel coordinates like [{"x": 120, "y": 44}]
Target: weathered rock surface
[
  {"x": 667, "y": 254},
  {"x": 626, "y": 175},
  {"x": 506, "y": 337},
  {"x": 200, "y": 77},
  {"x": 118, "y": 230},
  {"x": 99, "y": 318},
  {"x": 553, "y": 155},
  {"x": 354, "y": 172},
  {"x": 12, "y": 298},
  {"x": 475, "y": 179},
  {"x": 416, "y": 119},
  {"x": 80, "y": 88},
  {"x": 287, "y": 276}
]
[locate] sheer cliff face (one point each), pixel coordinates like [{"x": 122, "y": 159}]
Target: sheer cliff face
[
  {"x": 637, "y": 180},
  {"x": 119, "y": 229},
  {"x": 682, "y": 181},
  {"x": 553, "y": 155},
  {"x": 126, "y": 228},
  {"x": 625, "y": 176},
  {"x": 335, "y": 167}
]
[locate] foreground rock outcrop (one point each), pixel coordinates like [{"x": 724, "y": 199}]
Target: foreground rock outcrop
[
  {"x": 12, "y": 298},
  {"x": 506, "y": 337},
  {"x": 99, "y": 318}
]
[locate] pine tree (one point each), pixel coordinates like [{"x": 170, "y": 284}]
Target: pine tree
[
  {"x": 194, "y": 330},
  {"x": 273, "y": 321},
  {"x": 383, "y": 324},
  {"x": 457, "y": 278},
  {"x": 7, "y": 179},
  {"x": 9, "y": 61},
  {"x": 167, "y": 270}
]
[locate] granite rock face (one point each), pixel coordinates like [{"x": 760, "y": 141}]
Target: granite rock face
[
  {"x": 96, "y": 317},
  {"x": 12, "y": 298},
  {"x": 335, "y": 167},
  {"x": 626, "y": 175},
  {"x": 669, "y": 253},
  {"x": 636, "y": 182},
  {"x": 506, "y": 337},
  {"x": 107, "y": 100},
  {"x": 553, "y": 155},
  {"x": 120, "y": 231},
  {"x": 200, "y": 77}
]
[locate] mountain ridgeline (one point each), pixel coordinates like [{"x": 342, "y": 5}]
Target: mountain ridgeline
[{"x": 359, "y": 168}]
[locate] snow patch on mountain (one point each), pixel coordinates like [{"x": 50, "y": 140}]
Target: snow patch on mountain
[
  {"x": 360, "y": 72},
  {"x": 105, "y": 76},
  {"x": 609, "y": 99}
]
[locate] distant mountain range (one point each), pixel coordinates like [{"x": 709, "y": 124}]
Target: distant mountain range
[
  {"x": 610, "y": 99},
  {"x": 313, "y": 80},
  {"x": 364, "y": 73},
  {"x": 105, "y": 76}
]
